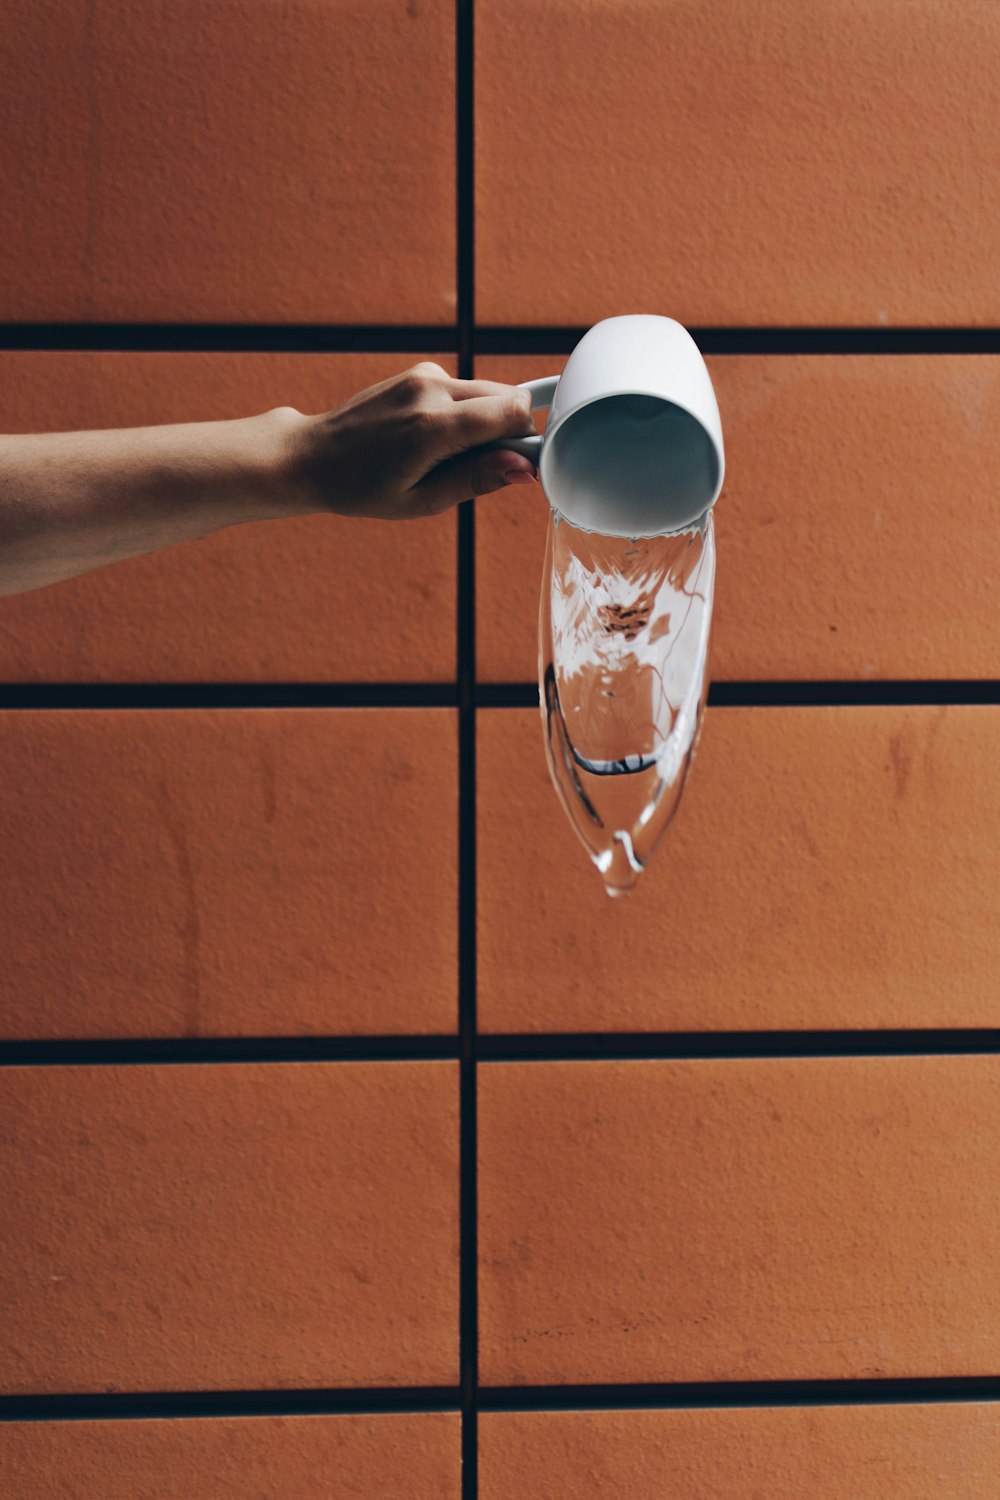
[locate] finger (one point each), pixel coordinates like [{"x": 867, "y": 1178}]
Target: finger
[
  {"x": 470, "y": 475},
  {"x": 486, "y": 419},
  {"x": 466, "y": 390}
]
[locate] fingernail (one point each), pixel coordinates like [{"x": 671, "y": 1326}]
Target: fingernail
[{"x": 519, "y": 476}]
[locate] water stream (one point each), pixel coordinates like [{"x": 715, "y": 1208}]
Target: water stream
[{"x": 623, "y": 636}]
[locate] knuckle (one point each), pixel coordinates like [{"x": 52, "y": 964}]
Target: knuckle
[
  {"x": 411, "y": 384},
  {"x": 419, "y": 387},
  {"x": 518, "y": 409},
  {"x": 422, "y": 377}
]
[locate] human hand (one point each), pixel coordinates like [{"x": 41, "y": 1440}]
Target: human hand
[{"x": 411, "y": 446}]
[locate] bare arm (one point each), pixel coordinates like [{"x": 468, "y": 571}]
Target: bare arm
[{"x": 412, "y": 446}]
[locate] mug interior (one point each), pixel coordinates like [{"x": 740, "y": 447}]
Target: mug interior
[{"x": 631, "y": 465}]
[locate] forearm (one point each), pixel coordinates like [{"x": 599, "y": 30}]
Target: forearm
[
  {"x": 415, "y": 445},
  {"x": 70, "y": 502}
]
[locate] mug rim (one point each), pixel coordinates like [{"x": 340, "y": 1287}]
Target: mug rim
[{"x": 550, "y": 433}]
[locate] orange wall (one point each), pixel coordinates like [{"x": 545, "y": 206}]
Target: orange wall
[{"x": 237, "y": 921}]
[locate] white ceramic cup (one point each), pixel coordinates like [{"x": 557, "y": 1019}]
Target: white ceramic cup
[{"x": 633, "y": 445}]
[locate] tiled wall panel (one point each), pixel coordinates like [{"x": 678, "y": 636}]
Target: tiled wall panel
[
  {"x": 829, "y": 868},
  {"x": 240, "y": 1226},
  {"x": 858, "y": 528},
  {"x": 826, "y": 1453},
  {"x": 310, "y": 1458},
  {"x": 766, "y": 163},
  {"x": 319, "y": 599},
  {"x": 242, "y": 162},
  {"x": 296, "y": 1235},
  {"x": 830, "y": 1218},
  {"x": 228, "y": 872}
]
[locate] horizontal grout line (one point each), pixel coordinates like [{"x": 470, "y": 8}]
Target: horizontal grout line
[
  {"x": 170, "y": 1050},
  {"x": 229, "y": 695},
  {"x": 851, "y": 694},
  {"x": 507, "y": 695},
  {"x": 221, "y": 695},
  {"x": 598, "y": 1046},
  {"x": 682, "y": 1045},
  {"x": 122, "y": 1406},
  {"x": 875, "y": 694},
  {"x": 364, "y": 338},
  {"x": 558, "y": 341},
  {"x": 226, "y": 338},
  {"x": 692, "y": 1396},
  {"x": 750, "y": 1393}
]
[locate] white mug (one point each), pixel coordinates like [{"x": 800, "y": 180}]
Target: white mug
[{"x": 633, "y": 445}]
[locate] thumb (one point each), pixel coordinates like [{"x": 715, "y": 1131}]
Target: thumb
[{"x": 471, "y": 474}]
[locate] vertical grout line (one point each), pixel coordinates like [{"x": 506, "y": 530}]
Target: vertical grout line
[
  {"x": 466, "y": 673},
  {"x": 465, "y": 190}
]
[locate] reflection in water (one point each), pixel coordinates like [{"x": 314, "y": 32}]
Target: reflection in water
[{"x": 623, "y": 639}]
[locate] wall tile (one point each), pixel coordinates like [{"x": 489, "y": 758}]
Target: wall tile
[
  {"x": 828, "y": 1453},
  {"x": 202, "y": 1228},
  {"x": 826, "y": 1218},
  {"x": 248, "y": 162},
  {"x": 828, "y": 868},
  {"x": 319, "y": 599},
  {"x": 858, "y": 529},
  {"x": 772, "y": 164},
  {"x": 267, "y": 872},
  {"x": 360, "y": 1456}
]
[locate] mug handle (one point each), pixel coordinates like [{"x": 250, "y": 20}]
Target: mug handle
[{"x": 542, "y": 392}]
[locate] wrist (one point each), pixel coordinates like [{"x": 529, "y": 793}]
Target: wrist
[{"x": 274, "y": 456}]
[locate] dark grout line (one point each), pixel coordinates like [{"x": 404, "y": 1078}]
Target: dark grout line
[
  {"x": 468, "y": 1040},
  {"x": 465, "y": 223},
  {"x": 750, "y": 1393},
  {"x": 851, "y": 694},
  {"x": 688, "y": 1396},
  {"x": 228, "y": 695},
  {"x": 500, "y": 1048},
  {"x": 202, "y": 1404},
  {"x": 227, "y": 338},
  {"x": 507, "y": 695},
  {"x": 560, "y": 341},
  {"x": 466, "y": 670},
  {"x": 487, "y": 695},
  {"x": 223, "y": 695},
  {"x": 170, "y": 1051},
  {"x": 872, "y": 694},
  {"x": 697, "y": 1045},
  {"x": 464, "y": 338}
]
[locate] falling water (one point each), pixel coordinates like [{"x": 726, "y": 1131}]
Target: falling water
[{"x": 623, "y": 641}]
